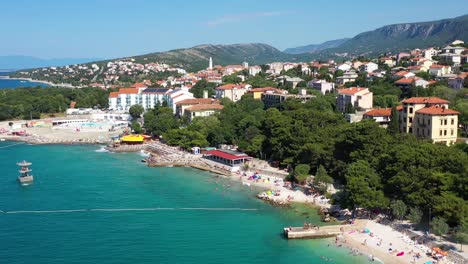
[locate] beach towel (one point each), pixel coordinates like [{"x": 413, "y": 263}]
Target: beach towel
[{"x": 400, "y": 254}]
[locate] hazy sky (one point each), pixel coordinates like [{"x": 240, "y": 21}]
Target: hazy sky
[{"x": 106, "y": 29}]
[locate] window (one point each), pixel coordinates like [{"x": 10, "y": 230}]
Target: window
[
  {"x": 406, "y": 110},
  {"x": 440, "y": 132},
  {"x": 451, "y": 132},
  {"x": 441, "y": 122},
  {"x": 410, "y": 130},
  {"x": 453, "y": 121},
  {"x": 445, "y": 132},
  {"x": 445, "y": 121},
  {"x": 411, "y": 120},
  {"x": 429, "y": 121},
  {"x": 411, "y": 110}
]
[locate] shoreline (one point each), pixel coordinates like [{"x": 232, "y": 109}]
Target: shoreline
[
  {"x": 63, "y": 85},
  {"x": 357, "y": 242}
]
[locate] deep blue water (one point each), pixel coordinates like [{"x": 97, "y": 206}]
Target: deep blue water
[
  {"x": 7, "y": 83},
  {"x": 78, "y": 177}
]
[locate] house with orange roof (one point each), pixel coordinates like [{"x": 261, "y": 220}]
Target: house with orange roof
[
  {"x": 257, "y": 92},
  {"x": 403, "y": 74},
  {"x": 439, "y": 70},
  {"x": 429, "y": 117},
  {"x": 182, "y": 105},
  {"x": 383, "y": 116},
  {"x": 359, "y": 98},
  {"x": 202, "y": 110},
  {"x": 232, "y": 91},
  {"x": 406, "y": 83},
  {"x": 437, "y": 123}
]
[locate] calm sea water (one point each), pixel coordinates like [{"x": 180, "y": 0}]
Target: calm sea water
[
  {"x": 6, "y": 83},
  {"x": 78, "y": 177}
]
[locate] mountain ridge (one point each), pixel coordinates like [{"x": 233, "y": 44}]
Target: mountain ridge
[{"x": 311, "y": 48}]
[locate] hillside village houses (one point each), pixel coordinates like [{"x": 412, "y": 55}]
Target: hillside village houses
[{"x": 355, "y": 102}]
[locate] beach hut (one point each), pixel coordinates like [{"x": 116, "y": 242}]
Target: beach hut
[{"x": 132, "y": 139}]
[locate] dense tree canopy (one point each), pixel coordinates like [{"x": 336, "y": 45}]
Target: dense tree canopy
[{"x": 27, "y": 102}]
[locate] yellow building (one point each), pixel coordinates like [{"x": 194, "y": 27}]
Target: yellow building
[
  {"x": 257, "y": 92},
  {"x": 429, "y": 117},
  {"x": 202, "y": 110}
]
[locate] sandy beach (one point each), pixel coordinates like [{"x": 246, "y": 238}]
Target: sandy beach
[{"x": 47, "y": 135}]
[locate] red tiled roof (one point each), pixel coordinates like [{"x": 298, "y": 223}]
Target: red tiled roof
[
  {"x": 194, "y": 101},
  {"x": 229, "y": 86},
  {"x": 128, "y": 91},
  {"x": 436, "y": 66},
  {"x": 227, "y": 156},
  {"x": 139, "y": 85},
  {"x": 201, "y": 107},
  {"x": 113, "y": 94},
  {"x": 437, "y": 110},
  {"x": 401, "y": 73},
  {"x": 425, "y": 100},
  {"x": 379, "y": 112},
  {"x": 351, "y": 91},
  {"x": 405, "y": 81}
]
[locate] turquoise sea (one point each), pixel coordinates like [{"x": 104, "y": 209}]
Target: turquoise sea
[
  {"x": 199, "y": 220},
  {"x": 7, "y": 83}
]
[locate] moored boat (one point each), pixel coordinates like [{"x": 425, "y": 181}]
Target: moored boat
[{"x": 25, "y": 175}]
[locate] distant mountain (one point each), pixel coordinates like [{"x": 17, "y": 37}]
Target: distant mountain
[
  {"x": 28, "y": 62},
  {"x": 405, "y": 36},
  {"x": 197, "y": 57},
  {"x": 316, "y": 47}
]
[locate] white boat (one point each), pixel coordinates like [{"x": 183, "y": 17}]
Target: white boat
[
  {"x": 25, "y": 176},
  {"x": 2, "y": 139}
]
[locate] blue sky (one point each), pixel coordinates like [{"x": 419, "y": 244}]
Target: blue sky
[{"x": 107, "y": 29}]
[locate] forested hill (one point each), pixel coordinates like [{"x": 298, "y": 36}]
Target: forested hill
[
  {"x": 398, "y": 37},
  {"x": 197, "y": 57}
]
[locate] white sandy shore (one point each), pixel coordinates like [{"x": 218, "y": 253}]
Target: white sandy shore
[{"x": 48, "y": 135}]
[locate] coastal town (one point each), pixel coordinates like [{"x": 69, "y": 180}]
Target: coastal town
[{"x": 172, "y": 117}]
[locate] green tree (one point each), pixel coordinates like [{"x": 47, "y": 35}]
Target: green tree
[
  {"x": 301, "y": 173},
  {"x": 136, "y": 127},
  {"x": 394, "y": 127},
  {"x": 202, "y": 86},
  {"x": 414, "y": 215},
  {"x": 136, "y": 110},
  {"x": 231, "y": 78},
  {"x": 362, "y": 187},
  {"x": 398, "y": 209},
  {"x": 461, "y": 234},
  {"x": 439, "y": 226},
  {"x": 322, "y": 179}
]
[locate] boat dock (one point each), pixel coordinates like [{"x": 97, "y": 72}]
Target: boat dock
[{"x": 313, "y": 232}]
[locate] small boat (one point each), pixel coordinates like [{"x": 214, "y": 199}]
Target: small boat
[
  {"x": 25, "y": 176},
  {"x": 2, "y": 139}
]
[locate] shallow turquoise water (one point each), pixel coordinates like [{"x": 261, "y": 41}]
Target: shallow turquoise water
[
  {"x": 78, "y": 177},
  {"x": 7, "y": 83}
]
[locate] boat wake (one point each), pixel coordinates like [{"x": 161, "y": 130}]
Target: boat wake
[
  {"x": 144, "y": 153},
  {"x": 102, "y": 149}
]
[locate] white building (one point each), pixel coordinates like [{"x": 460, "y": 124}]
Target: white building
[
  {"x": 369, "y": 67},
  {"x": 232, "y": 91},
  {"x": 254, "y": 70},
  {"x": 126, "y": 97},
  {"x": 360, "y": 98},
  {"x": 321, "y": 85}
]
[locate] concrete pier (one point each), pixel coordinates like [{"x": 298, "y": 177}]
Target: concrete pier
[{"x": 321, "y": 232}]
